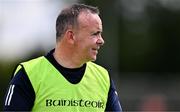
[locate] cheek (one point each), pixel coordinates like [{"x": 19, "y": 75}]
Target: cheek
[
  {"x": 86, "y": 45},
  {"x": 86, "y": 49},
  {"x": 83, "y": 47}
]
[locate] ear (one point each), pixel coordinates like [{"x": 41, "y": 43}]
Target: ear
[{"x": 70, "y": 36}]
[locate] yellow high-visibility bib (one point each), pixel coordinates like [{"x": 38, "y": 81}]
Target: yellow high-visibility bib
[{"x": 55, "y": 93}]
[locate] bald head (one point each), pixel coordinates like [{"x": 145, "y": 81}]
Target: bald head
[{"x": 87, "y": 19}]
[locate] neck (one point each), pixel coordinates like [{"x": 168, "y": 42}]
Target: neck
[{"x": 66, "y": 57}]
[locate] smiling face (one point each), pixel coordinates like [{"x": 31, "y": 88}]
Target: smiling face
[{"x": 88, "y": 39}]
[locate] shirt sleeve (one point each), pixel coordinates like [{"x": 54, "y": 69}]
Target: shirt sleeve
[
  {"x": 20, "y": 94},
  {"x": 113, "y": 103}
]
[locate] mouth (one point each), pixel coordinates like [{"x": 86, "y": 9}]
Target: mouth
[{"x": 95, "y": 50}]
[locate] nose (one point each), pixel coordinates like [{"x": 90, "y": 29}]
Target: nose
[{"x": 100, "y": 41}]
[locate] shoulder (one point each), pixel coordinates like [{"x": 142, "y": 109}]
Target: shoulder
[
  {"x": 99, "y": 71},
  {"x": 96, "y": 66},
  {"x": 34, "y": 61}
]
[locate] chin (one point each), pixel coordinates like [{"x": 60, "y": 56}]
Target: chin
[{"x": 93, "y": 59}]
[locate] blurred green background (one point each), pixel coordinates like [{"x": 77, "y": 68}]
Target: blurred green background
[{"x": 141, "y": 51}]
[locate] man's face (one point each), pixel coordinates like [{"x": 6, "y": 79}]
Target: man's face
[{"x": 88, "y": 37}]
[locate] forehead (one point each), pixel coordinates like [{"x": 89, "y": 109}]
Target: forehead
[{"x": 86, "y": 19}]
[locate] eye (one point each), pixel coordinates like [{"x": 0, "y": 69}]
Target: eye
[{"x": 97, "y": 33}]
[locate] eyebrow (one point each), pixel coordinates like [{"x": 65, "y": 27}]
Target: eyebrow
[{"x": 97, "y": 32}]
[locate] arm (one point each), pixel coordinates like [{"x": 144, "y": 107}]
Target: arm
[
  {"x": 113, "y": 103},
  {"x": 20, "y": 94}
]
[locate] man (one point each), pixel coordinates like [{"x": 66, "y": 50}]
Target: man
[{"x": 66, "y": 79}]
